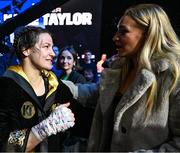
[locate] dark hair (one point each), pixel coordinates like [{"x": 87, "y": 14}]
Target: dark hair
[
  {"x": 26, "y": 37},
  {"x": 71, "y": 50},
  {"x": 87, "y": 51}
]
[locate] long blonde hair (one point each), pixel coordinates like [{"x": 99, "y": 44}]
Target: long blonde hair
[{"x": 160, "y": 41}]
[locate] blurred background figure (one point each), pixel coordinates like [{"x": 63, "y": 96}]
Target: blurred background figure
[
  {"x": 89, "y": 75},
  {"x": 99, "y": 65},
  {"x": 56, "y": 51},
  {"x": 87, "y": 64},
  {"x": 56, "y": 71},
  {"x": 66, "y": 61},
  {"x": 7, "y": 56},
  {"x": 75, "y": 139}
]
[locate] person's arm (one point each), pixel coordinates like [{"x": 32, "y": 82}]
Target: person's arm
[
  {"x": 32, "y": 142},
  {"x": 86, "y": 94},
  {"x": 59, "y": 120}
]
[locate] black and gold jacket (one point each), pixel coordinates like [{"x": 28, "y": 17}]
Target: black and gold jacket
[{"x": 20, "y": 108}]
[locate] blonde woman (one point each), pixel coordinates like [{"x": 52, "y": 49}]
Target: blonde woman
[{"x": 138, "y": 107}]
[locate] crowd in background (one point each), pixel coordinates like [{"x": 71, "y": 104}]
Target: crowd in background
[{"x": 86, "y": 64}]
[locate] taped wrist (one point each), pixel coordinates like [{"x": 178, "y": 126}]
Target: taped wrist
[
  {"x": 59, "y": 120},
  {"x": 43, "y": 130}
]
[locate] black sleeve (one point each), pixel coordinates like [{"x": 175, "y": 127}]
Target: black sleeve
[
  {"x": 9, "y": 119},
  {"x": 80, "y": 79},
  {"x": 4, "y": 114},
  {"x": 63, "y": 93}
]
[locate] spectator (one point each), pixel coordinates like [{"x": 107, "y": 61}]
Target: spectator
[
  {"x": 66, "y": 61},
  {"x": 56, "y": 71},
  {"x": 89, "y": 75},
  {"x": 87, "y": 63},
  {"x": 7, "y": 57},
  {"x": 75, "y": 138},
  {"x": 99, "y": 64}
]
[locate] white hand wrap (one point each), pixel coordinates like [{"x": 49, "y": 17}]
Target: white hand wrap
[{"x": 59, "y": 120}]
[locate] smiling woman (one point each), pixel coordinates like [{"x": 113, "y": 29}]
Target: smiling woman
[
  {"x": 128, "y": 36},
  {"x": 29, "y": 106}
]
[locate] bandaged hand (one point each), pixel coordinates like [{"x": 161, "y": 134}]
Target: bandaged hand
[{"x": 59, "y": 120}]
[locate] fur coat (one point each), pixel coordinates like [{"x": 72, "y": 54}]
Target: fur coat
[{"x": 130, "y": 131}]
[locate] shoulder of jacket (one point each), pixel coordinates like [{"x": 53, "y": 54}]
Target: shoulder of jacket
[{"x": 162, "y": 65}]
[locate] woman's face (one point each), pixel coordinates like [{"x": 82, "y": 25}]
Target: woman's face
[
  {"x": 129, "y": 36},
  {"x": 66, "y": 60},
  {"x": 42, "y": 54}
]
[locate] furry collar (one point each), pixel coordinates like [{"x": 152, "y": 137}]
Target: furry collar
[{"x": 157, "y": 65}]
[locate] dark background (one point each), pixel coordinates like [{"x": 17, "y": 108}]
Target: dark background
[
  {"x": 113, "y": 10},
  {"x": 83, "y": 36},
  {"x": 97, "y": 37}
]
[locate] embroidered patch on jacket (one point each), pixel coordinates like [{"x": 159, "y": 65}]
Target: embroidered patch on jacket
[
  {"x": 27, "y": 110},
  {"x": 17, "y": 137},
  {"x": 54, "y": 106}
]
